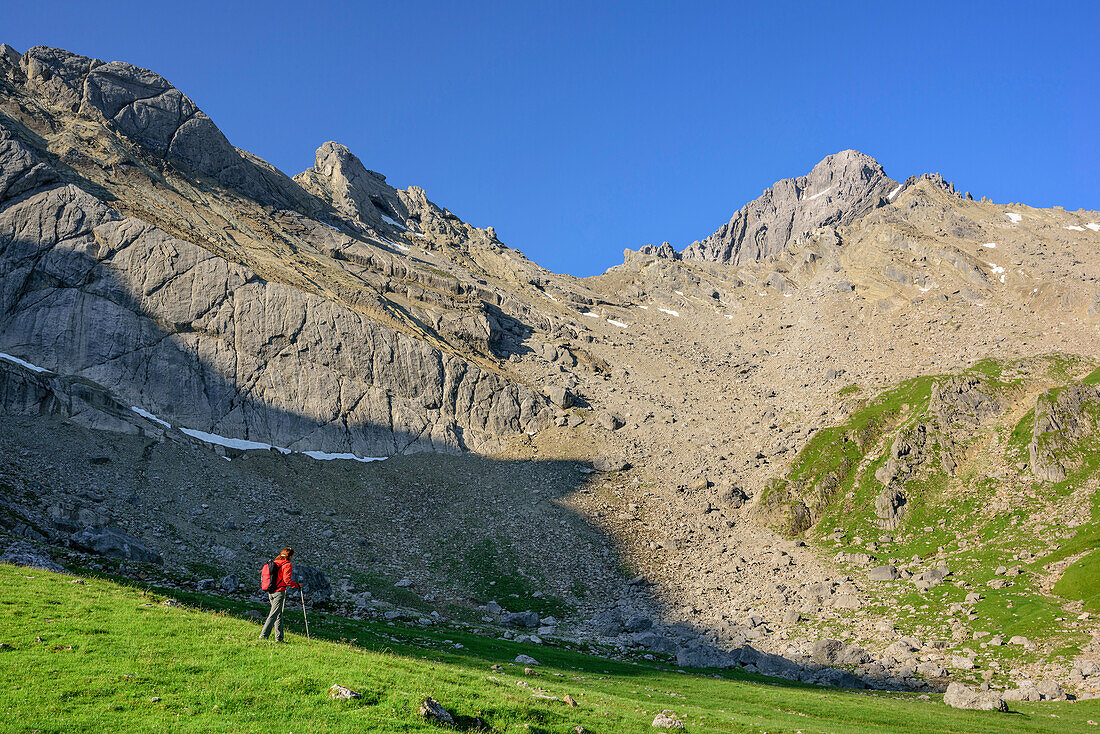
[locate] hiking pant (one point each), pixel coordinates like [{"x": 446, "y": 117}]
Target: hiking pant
[{"x": 274, "y": 621}]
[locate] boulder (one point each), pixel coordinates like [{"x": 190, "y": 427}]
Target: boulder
[
  {"x": 525, "y": 660},
  {"x": 520, "y": 619},
  {"x": 230, "y": 584},
  {"x": 1051, "y": 691},
  {"x": 961, "y": 697},
  {"x": 560, "y": 397},
  {"x": 826, "y": 652},
  {"x": 883, "y": 573},
  {"x": 610, "y": 464},
  {"x": 667, "y": 720},
  {"x": 432, "y": 710},
  {"x": 637, "y": 624},
  {"x": 314, "y": 583},
  {"x": 610, "y": 421},
  {"x": 705, "y": 656},
  {"x": 110, "y": 541}
]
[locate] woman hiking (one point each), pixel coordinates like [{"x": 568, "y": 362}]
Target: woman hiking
[{"x": 277, "y": 597}]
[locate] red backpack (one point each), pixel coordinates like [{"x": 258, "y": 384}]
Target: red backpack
[{"x": 269, "y": 577}]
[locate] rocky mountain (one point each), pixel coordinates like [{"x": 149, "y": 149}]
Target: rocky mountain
[
  {"x": 711, "y": 454},
  {"x": 839, "y": 190}
]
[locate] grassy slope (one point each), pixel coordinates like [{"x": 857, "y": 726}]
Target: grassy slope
[
  {"x": 945, "y": 517},
  {"x": 93, "y": 656}
]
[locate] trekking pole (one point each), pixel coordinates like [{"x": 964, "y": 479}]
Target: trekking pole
[{"x": 304, "y": 618}]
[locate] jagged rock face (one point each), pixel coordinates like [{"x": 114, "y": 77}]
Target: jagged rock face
[
  {"x": 204, "y": 342},
  {"x": 342, "y": 179},
  {"x": 145, "y": 108},
  {"x": 838, "y": 190},
  {"x": 1061, "y": 417}
]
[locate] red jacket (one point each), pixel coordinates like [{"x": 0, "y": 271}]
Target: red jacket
[{"x": 285, "y": 571}]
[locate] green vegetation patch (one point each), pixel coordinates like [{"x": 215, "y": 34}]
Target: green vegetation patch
[
  {"x": 1081, "y": 581},
  {"x": 100, "y": 656}
]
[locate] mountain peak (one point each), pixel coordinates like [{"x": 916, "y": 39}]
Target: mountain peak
[
  {"x": 355, "y": 191},
  {"x": 841, "y": 188}
]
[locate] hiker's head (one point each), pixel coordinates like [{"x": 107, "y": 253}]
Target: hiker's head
[{"x": 286, "y": 553}]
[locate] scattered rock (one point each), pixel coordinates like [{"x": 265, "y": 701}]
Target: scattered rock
[
  {"x": 22, "y": 553},
  {"x": 339, "y": 692},
  {"x": 525, "y": 660},
  {"x": 431, "y": 710}
]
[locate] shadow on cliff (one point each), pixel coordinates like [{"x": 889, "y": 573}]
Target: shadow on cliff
[{"x": 452, "y": 529}]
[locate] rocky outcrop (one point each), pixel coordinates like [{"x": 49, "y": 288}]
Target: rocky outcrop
[
  {"x": 109, "y": 541},
  {"x": 1061, "y": 417},
  {"x": 145, "y": 108},
  {"x": 199, "y": 340},
  {"x": 839, "y": 190},
  {"x": 361, "y": 195}
]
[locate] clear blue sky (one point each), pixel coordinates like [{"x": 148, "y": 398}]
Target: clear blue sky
[{"x": 578, "y": 129}]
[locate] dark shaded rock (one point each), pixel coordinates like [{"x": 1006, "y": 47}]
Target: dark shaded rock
[
  {"x": 520, "y": 619},
  {"x": 109, "y": 541}
]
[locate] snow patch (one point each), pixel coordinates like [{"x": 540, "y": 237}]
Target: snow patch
[
  {"x": 669, "y": 312},
  {"x": 1014, "y": 217},
  {"x": 644, "y": 308},
  {"x": 892, "y": 194},
  {"x": 1093, "y": 226},
  {"x": 613, "y": 322},
  {"x": 146, "y": 414},
  {"x": 231, "y": 443},
  {"x": 23, "y": 363},
  {"x": 325, "y": 456},
  {"x": 393, "y": 222},
  {"x": 820, "y": 193},
  {"x": 679, "y": 293},
  {"x": 1075, "y": 228},
  {"x": 591, "y": 314},
  {"x": 403, "y": 248},
  {"x": 990, "y": 245},
  {"x": 996, "y": 268}
]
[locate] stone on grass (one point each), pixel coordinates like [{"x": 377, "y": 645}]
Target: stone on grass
[
  {"x": 342, "y": 693},
  {"x": 432, "y": 710},
  {"x": 961, "y": 697},
  {"x": 667, "y": 720},
  {"x": 525, "y": 660},
  {"x": 883, "y": 573}
]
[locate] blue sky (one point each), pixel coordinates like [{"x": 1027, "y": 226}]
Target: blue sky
[{"x": 580, "y": 129}]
